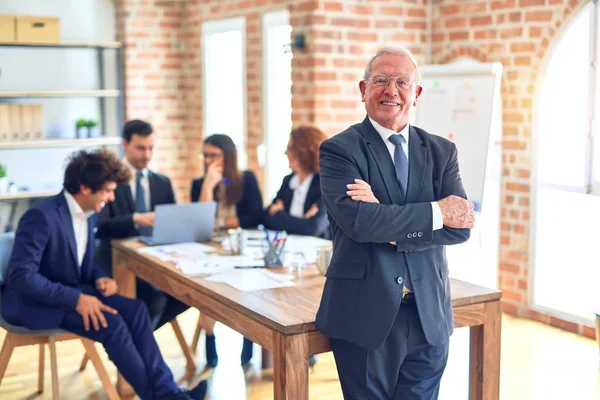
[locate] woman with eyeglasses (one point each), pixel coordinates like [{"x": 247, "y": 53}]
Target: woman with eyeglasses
[
  {"x": 298, "y": 207},
  {"x": 239, "y": 204}
]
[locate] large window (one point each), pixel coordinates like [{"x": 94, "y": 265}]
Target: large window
[
  {"x": 277, "y": 80},
  {"x": 567, "y": 206},
  {"x": 224, "y": 58}
]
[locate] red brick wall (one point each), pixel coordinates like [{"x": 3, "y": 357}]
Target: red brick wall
[
  {"x": 153, "y": 32},
  {"x": 518, "y": 34},
  {"x": 341, "y": 37}
]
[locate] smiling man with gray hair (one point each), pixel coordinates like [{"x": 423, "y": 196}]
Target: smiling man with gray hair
[{"x": 395, "y": 200}]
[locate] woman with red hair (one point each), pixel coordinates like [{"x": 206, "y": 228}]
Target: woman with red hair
[{"x": 298, "y": 207}]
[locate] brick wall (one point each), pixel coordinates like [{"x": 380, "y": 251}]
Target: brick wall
[
  {"x": 163, "y": 71},
  {"x": 341, "y": 37},
  {"x": 518, "y": 34},
  {"x": 153, "y": 32}
]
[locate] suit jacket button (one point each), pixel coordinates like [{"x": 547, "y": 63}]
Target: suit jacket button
[
  {"x": 414, "y": 234},
  {"x": 420, "y": 234},
  {"x": 409, "y": 235},
  {"x": 400, "y": 281}
]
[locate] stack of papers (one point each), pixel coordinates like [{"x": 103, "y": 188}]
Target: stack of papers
[
  {"x": 174, "y": 252},
  {"x": 246, "y": 280}
]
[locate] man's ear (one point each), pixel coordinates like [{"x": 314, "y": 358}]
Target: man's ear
[
  {"x": 84, "y": 190},
  {"x": 418, "y": 93},
  {"x": 362, "y": 87}
]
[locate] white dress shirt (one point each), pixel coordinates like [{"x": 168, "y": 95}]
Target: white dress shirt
[
  {"x": 80, "y": 225},
  {"x": 144, "y": 181},
  {"x": 385, "y": 133},
  {"x": 300, "y": 192}
]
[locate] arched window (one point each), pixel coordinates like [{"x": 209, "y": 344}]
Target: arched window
[{"x": 566, "y": 237}]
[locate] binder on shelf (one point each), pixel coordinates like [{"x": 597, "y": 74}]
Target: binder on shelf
[
  {"x": 38, "y": 121},
  {"x": 14, "y": 119},
  {"x": 5, "y": 134},
  {"x": 31, "y": 122}
]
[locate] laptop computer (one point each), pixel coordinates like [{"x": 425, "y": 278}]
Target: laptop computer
[{"x": 181, "y": 223}]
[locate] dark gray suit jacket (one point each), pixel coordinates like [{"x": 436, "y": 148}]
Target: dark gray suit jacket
[
  {"x": 363, "y": 290},
  {"x": 115, "y": 221}
]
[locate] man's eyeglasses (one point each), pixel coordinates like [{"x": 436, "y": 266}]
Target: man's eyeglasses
[{"x": 403, "y": 82}]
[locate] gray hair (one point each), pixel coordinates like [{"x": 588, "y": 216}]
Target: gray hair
[{"x": 403, "y": 51}]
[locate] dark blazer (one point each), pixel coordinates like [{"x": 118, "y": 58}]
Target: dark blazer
[
  {"x": 363, "y": 289},
  {"x": 116, "y": 219},
  {"x": 249, "y": 208},
  {"x": 315, "y": 226},
  {"x": 43, "y": 278}
]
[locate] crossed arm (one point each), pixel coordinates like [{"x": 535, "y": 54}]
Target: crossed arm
[{"x": 458, "y": 216}]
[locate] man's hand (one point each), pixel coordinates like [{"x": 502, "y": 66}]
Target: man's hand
[
  {"x": 312, "y": 211},
  {"x": 276, "y": 207},
  {"x": 144, "y": 219},
  {"x": 361, "y": 191},
  {"x": 457, "y": 212},
  {"x": 106, "y": 286},
  {"x": 91, "y": 309}
]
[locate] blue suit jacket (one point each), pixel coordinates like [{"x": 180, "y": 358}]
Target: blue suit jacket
[
  {"x": 43, "y": 279},
  {"x": 363, "y": 289}
]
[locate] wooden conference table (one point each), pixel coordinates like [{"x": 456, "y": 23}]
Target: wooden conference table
[{"x": 282, "y": 320}]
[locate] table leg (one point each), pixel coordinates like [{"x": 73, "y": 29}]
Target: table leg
[
  {"x": 484, "y": 363},
  {"x": 126, "y": 282},
  {"x": 290, "y": 370}
]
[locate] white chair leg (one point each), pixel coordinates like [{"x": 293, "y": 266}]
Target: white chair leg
[{"x": 53, "y": 367}]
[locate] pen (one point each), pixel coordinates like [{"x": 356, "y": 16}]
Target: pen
[{"x": 249, "y": 266}]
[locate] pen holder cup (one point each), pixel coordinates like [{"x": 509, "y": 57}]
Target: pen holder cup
[{"x": 271, "y": 255}]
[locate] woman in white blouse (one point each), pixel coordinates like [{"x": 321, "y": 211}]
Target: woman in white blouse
[{"x": 298, "y": 207}]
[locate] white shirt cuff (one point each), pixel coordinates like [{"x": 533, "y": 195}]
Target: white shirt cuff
[{"x": 436, "y": 213}]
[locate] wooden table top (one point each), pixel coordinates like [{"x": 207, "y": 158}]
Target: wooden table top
[{"x": 287, "y": 310}]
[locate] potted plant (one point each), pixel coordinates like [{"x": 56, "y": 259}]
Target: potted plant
[
  {"x": 79, "y": 125},
  {"x": 90, "y": 124},
  {"x": 3, "y": 179}
]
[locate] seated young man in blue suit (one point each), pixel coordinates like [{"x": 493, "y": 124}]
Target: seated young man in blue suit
[{"x": 52, "y": 281}]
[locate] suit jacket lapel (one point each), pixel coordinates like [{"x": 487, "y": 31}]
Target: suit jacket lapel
[
  {"x": 88, "y": 259},
  {"x": 383, "y": 160},
  {"x": 124, "y": 192},
  {"x": 418, "y": 155},
  {"x": 67, "y": 221},
  {"x": 313, "y": 193},
  {"x": 152, "y": 184}
]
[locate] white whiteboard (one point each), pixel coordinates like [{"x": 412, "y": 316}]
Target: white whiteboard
[{"x": 462, "y": 103}]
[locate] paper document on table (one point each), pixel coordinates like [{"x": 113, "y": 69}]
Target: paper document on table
[
  {"x": 199, "y": 266},
  {"x": 252, "y": 279},
  {"x": 174, "y": 252},
  {"x": 213, "y": 264}
]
